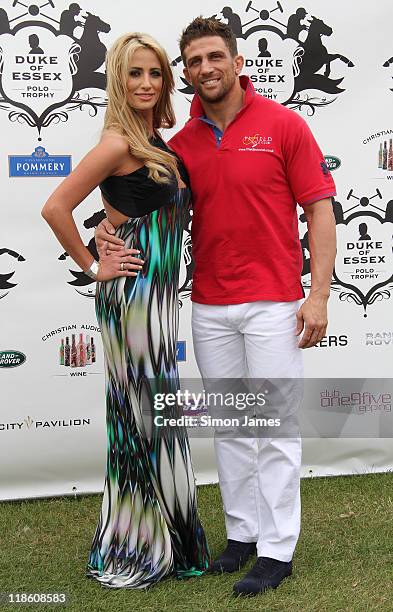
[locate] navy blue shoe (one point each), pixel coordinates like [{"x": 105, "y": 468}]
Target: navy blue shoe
[
  {"x": 266, "y": 574},
  {"x": 234, "y": 557}
]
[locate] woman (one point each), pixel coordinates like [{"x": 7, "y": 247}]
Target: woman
[{"x": 148, "y": 527}]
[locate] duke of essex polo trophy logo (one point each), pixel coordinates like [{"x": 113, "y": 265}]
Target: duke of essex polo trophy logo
[
  {"x": 285, "y": 55},
  {"x": 46, "y": 60},
  {"x": 363, "y": 272}
]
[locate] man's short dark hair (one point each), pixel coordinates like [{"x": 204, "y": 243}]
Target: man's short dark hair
[{"x": 201, "y": 27}]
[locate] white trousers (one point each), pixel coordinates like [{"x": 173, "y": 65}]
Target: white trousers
[{"x": 259, "y": 477}]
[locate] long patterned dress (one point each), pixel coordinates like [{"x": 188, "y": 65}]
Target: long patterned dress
[{"x": 148, "y": 526}]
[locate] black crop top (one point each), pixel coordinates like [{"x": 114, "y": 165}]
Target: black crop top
[{"x": 136, "y": 194}]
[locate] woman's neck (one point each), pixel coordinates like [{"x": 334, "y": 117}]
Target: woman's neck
[{"x": 147, "y": 117}]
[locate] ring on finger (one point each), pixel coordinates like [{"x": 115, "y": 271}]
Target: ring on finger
[{"x": 122, "y": 267}]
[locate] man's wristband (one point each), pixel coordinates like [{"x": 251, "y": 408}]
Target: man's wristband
[{"x": 93, "y": 270}]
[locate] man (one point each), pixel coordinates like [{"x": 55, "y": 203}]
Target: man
[
  {"x": 34, "y": 43},
  {"x": 295, "y": 27},
  {"x": 250, "y": 160},
  {"x": 68, "y": 21}
]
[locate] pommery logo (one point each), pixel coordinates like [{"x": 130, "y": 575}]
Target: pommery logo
[
  {"x": 44, "y": 65},
  {"x": 363, "y": 273},
  {"x": 285, "y": 57},
  {"x": 39, "y": 163}
]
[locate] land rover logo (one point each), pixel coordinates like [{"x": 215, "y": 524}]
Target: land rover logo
[
  {"x": 332, "y": 162},
  {"x": 11, "y": 359}
]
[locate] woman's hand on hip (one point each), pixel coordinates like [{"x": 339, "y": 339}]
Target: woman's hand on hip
[{"x": 117, "y": 264}]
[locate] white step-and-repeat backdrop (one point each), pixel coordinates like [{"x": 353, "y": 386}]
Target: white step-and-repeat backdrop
[{"x": 331, "y": 62}]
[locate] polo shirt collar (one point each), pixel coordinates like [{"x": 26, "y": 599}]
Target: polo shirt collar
[{"x": 196, "y": 104}]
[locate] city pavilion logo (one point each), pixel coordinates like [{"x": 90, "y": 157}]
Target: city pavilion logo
[
  {"x": 363, "y": 272},
  {"x": 8, "y": 259},
  {"x": 30, "y": 424},
  {"x": 285, "y": 57},
  {"x": 46, "y": 60}
]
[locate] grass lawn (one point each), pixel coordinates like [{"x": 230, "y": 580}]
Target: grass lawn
[{"x": 343, "y": 562}]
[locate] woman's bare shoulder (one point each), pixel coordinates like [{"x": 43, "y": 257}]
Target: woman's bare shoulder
[
  {"x": 117, "y": 147},
  {"x": 115, "y": 142}
]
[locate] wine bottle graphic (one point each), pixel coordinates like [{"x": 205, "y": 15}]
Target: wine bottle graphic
[
  {"x": 61, "y": 356},
  {"x": 81, "y": 352},
  {"x": 67, "y": 352},
  {"x": 74, "y": 356},
  {"x": 385, "y": 155},
  {"x": 93, "y": 351},
  {"x": 390, "y": 156},
  {"x": 88, "y": 351},
  {"x": 380, "y": 155}
]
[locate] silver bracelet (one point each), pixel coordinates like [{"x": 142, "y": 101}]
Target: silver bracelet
[{"x": 93, "y": 270}]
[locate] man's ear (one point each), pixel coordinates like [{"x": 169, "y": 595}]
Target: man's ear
[
  {"x": 187, "y": 75},
  {"x": 239, "y": 63}
]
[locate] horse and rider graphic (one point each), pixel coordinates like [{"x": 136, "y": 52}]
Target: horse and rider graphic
[{"x": 5, "y": 283}]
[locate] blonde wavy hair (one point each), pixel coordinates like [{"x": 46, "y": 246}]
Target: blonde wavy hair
[{"x": 127, "y": 121}]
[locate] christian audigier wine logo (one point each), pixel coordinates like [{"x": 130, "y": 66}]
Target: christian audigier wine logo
[
  {"x": 285, "y": 56},
  {"x": 363, "y": 272},
  {"x": 46, "y": 60}
]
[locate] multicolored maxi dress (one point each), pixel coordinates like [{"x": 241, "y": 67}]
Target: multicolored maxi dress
[{"x": 148, "y": 526}]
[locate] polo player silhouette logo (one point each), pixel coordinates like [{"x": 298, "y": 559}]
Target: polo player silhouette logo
[
  {"x": 316, "y": 57},
  {"x": 45, "y": 63},
  {"x": 284, "y": 56},
  {"x": 5, "y": 284},
  {"x": 363, "y": 272},
  {"x": 81, "y": 281},
  {"x": 92, "y": 54}
]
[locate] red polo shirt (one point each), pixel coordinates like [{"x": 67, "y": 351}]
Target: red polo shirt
[{"x": 245, "y": 228}]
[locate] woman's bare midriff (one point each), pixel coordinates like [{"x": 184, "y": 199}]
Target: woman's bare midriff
[{"x": 114, "y": 217}]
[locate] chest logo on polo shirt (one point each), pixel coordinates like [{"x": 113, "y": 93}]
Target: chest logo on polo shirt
[{"x": 257, "y": 142}]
